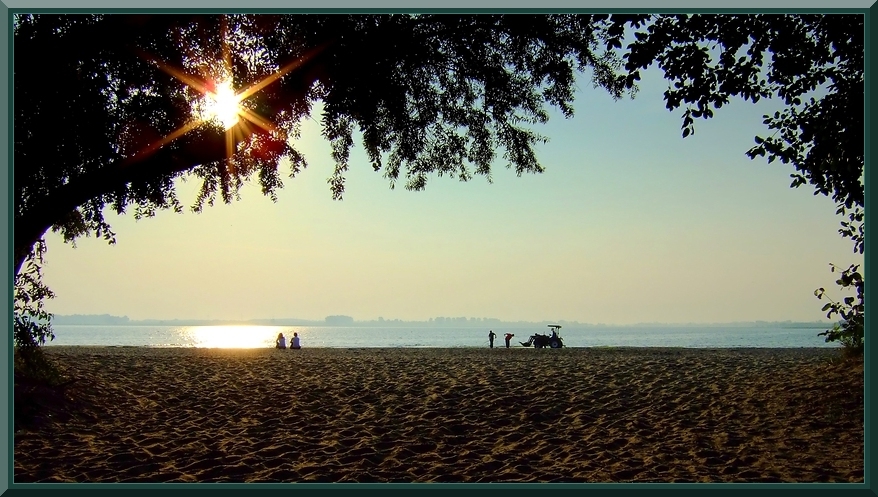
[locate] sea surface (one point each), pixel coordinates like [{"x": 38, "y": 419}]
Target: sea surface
[{"x": 391, "y": 337}]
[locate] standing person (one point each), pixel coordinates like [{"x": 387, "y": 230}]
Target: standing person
[
  {"x": 491, "y": 336},
  {"x": 281, "y": 342},
  {"x": 295, "y": 344},
  {"x": 508, "y": 337}
]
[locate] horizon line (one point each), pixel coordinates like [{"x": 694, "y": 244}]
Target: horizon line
[{"x": 339, "y": 320}]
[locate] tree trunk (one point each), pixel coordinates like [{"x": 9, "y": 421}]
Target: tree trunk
[{"x": 210, "y": 146}]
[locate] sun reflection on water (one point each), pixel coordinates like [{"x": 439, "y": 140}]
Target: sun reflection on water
[{"x": 232, "y": 337}]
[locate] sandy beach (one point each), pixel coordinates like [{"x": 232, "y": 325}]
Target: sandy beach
[{"x": 449, "y": 415}]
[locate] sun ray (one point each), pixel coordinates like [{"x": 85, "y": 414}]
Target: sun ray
[
  {"x": 258, "y": 120},
  {"x": 230, "y": 149},
  {"x": 282, "y": 71},
  {"x": 227, "y": 54},
  {"x": 151, "y": 148},
  {"x": 193, "y": 82}
]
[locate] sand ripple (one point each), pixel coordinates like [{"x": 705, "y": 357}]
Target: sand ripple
[{"x": 448, "y": 415}]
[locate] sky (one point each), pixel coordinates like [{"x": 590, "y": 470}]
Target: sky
[{"x": 629, "y": 223}]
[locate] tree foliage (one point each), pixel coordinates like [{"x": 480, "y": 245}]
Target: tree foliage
[
  {"x": 851, "y": 331},
  {"x": 814, "y": 64},
  {"x": 431, "y": 94},
  {"x": 31, "y": 323}
]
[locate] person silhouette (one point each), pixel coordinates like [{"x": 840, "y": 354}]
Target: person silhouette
[
  {"x": 491, "y": 336},
  {"x": 508, "y": 337},
  {"x": 281, "y": 342},
  {"x": 295, "y": 344}
]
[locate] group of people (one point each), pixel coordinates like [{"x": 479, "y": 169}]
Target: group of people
[
  {"x": 281, "y": 342},
  {"x": 491, "y": 336}
]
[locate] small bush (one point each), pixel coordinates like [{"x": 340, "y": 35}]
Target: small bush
[
  {"x": 32, "y": 363},
  {"x": 851, "y": 332}
]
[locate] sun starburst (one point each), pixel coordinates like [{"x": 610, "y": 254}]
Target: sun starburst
[{"x": 220, "y": 104}]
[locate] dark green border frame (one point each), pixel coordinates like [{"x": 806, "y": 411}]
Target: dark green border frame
[
  {"x": 6, "y": 458},
  {"x": 6, "y": 206},
  {"x": 438, "y": 10}
]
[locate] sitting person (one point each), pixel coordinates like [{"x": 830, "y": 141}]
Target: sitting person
[
  {"x": 295, "y": 344},
  {"x": 281, "y": 342}
]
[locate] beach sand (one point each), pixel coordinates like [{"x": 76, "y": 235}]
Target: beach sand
[{"x": 449, "y": 415}]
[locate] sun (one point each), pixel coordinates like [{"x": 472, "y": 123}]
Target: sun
[{"x": 222, "y": 105}]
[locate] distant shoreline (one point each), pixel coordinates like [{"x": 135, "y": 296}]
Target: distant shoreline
[
  {"x": 109, "y": 320},
  {"x": 816, "y": 351}
]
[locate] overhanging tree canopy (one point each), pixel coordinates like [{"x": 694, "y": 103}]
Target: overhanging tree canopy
[
  {"x": 813, "y": 63},
  {"x": 96, "y": 95}
]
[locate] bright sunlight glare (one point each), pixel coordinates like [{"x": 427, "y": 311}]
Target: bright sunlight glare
[
  {"x": 234, "y": 337},
  {"x": 222, "y": 106}
]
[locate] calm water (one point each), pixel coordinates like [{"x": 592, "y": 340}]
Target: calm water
[{"x": 344, "y": 337}]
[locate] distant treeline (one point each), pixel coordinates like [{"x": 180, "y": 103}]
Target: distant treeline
[
  {"x": 91, "y": 319},
  {"x": 446, "y": 322}
]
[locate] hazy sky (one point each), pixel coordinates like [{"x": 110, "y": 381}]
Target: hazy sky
[{"x": 630, "y": 223}]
